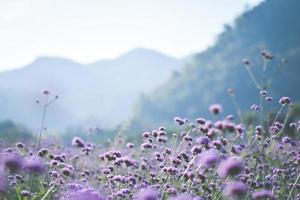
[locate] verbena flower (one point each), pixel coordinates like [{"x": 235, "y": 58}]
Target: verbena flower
[
  {"x": 35, "y": 165},
  {"x": 215, "y": 109},
  {"x": 147, "y": 194},
  {"x": 235, "y": 190},
  {"x": 182, "y": 197},
  {"x": 12, "y": 161},
  {"x": 78, "y": 192},
  {"x": 230, "y": 167},
  {"x": 263, "y": 194},
  {"x": 208, "y": 158}
]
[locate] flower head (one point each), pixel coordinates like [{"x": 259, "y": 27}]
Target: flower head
[
  {"x": 235, "y": 190},
  {"x": 35, "y": 165},
  {"x": 230, "y": 167},
  {"x": 78, "y": 192},
  {"x": 262, "y": 194},
  {"x": 209, "y": 158},
  {"x": 147, "y": 194},
  {"x": 215, "y": 109},
  {"x": 12, "y": 161}
]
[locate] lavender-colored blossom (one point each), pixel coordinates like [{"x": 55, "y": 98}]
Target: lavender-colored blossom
[
  {"x": 255, "y": 107},
  {"x": 78, "y": 142},
  {"x": 208, "y": 158},
  {"x": 263, "y": 194},
  {"x": 35, "y": 165},
  {"x": 215, "y": 109},
  {"x": 147, "y": 194},
  {"x": 182, "y": 197},
  {"x": 285, "y": 100},
  {"x": 12, "y": 161},
  {"x": 235, "y": 190},
  {"x": 204, "y": 140},
  {"x": 78, "y": 192},
  {"x": 230, "y": 167}
]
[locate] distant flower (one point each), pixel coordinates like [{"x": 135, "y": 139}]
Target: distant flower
[
  {"x": 201, "y": 120},
  {"x": 246, "y": 62},
  {"x": 215, "y": 109},
  {"x": 230, "y": 167},
  {"x": 267, "y": 55},
  {"x": 263, "y": 93},
  {"x": 269, "y": 99},
  {"x": 254, "y": 107},
  {"x": 45, "y": 92},
  {"x": 263, "y": 194},
  {"x": 231, "y": 91},
  {"x": 147, "y": 194},
  {"x": 204, "y": 140},
  {"x": 235, "y": 190},
  {"x": 284, "y": 100},
  {"x": 179, "y": 121},
  {"x": 78, "y": 142},
  {"x": 130, "y": 145},
  {"x": 25, "y": 193}
]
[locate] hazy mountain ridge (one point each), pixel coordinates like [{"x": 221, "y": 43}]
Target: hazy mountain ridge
[
  {"x": 272, "y": 25},
  {"x": 103, "y": 92}
]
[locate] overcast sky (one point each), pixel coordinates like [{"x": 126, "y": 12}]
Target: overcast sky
[{"x": 88, "y": 30}]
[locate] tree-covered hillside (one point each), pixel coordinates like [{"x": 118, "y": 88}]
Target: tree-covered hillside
[{"x": 273, "y": 25}]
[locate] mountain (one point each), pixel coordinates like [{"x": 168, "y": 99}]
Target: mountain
[
  {"x": 102, "y": 92},
  {"x": 273, "y": 25}
]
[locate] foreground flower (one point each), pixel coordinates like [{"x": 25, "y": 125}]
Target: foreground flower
[
  {"x": 12, "y": 161},
  {"x": 3, "y": 180},
  {"x": 208, "y": 158},
  {"x": 147, "y": 194},
  {"x": 263, "y": 194},
  {"x": 235, "y": 190},
  {"x": 183, "y": 197},
  {"x": 77, "y": 192},
  {"x": 230, "y": 167},
  {"x": 35, "y": 165}
]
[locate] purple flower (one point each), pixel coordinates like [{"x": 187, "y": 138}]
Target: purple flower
[
  {"x": 35, "y": 165},
  {"x": 78, "y": 142},
  {"x": 235, "y": 190},
  {"x": 147, "y": 194},
  {"x": 204, "y": 140},
  {"x": 12, "y": 161},
  {"x": 209, "y": 158},
  {"x": 230, "y": 167},
  {"x": 130, "y": 145},
  {"x": 183, "y": 197},
  {"x": 78, "y": 192},
  {"x": 255, "y": 107},
  {"x": 263, "y": 194},
  {"x": 284, "y": 100},
  {"x": 215, "y": 109}
]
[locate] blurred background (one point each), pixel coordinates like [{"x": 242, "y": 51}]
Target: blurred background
[{"x": 132, "y": 65}]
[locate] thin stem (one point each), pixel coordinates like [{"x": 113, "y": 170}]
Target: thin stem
[
  {"x": 253, "y": 78},
  {"x": 42, "y": 126},
  {"x": 48, "y": 192},
  {"x": 293, "y": 187}
]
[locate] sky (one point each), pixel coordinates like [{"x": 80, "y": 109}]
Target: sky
[{"x": 90, "y": 30}]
